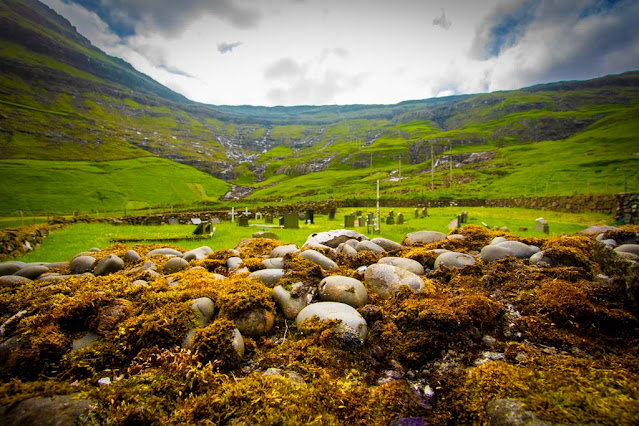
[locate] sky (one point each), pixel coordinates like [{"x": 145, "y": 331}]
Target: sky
[{"x": 326, "y": 52}]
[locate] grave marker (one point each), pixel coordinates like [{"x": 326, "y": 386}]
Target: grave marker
[
  {"x": 268, "y": 219},
  {"x": 331, "y": 214},
  {"x": 243, "y": 221},
  {"x": 291, "y": 221},
  {"x": 541, "y": 225},
  {"x": 173, "y": 221},
  {"x": 349, "y": 221},
  {"x": 310, "y": 217},
  {"x": 400, "y": 219},
  {"x": 258, "y": 216}
]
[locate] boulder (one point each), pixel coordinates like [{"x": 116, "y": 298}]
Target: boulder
[
  {"x": 453, "y": 259},
  {"x": 204, "y": 309},
  {"x": 337, "y": 288},
  {"x": 254, "y": 323},
  {"x": 108, "y": 265},
  {"x": 164, "y": 251},
  {"x": 274, "y": 263},
  {"x": 197, "y": 253},
  {"x": 493, "y": 252},
  {"x": 628, "y": 248},
  {"x": 175, "y": 264},
  {"x": 385, "y": 280},
  {"x": 82, "y": 264},
  {"x": 10, "y": 268},
  {"x": 47, "y": 410},
  {"x": 401, "y": 262},
  {"x": 269, "y": 277},
  {"x": 333, "y": 238},
  {"x": 422, "y": 238},
  {"x": 233, "y": 263},
  {"x": 131, "y": 256},
  {"x": 318, "y": 258},
  {"x": 351, "y": 320},
  {"x": 290, "y": 306},
  {"x": 518, "y": 249},
  {"x": 386, "y": 244},
  {"x": 12, "y": 280},
  {"x": 265, "y": 234},
  {"x": 283, "y": 250},
  {"x": 367, "y": 245},
  {"x": 346, "y": 248},
  {"x": 32, "y": 271}
]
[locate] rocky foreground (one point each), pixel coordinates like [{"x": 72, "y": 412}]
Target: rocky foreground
[{"x": 478, "y": 326}]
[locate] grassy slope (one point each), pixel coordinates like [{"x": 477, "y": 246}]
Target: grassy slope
[{"x": 65, "y": 186}]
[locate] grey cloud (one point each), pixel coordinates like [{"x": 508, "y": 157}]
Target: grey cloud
[
  {"x": 225, "y": 47},
  {"x": 571, "y": 39},
  {"x": 442, "y": 21},
  {"x": 321, "y": 90},
  {"x": 285, "y": 68},
  {"x": 336, "y": 51},
  {"x": 129, "y": 16}
]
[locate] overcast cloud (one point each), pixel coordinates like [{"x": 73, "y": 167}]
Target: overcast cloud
[{"x": 297, "y": 52}]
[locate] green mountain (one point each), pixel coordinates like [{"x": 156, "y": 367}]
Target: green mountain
[{"x": 81, "y": 130}]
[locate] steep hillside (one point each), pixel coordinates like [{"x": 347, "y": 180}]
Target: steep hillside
[{"x": 62, "y": 99}]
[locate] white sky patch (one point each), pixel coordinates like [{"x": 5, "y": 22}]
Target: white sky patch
[{"x": 349, "y": 52}]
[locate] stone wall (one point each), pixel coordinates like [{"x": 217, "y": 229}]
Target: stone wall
[
  {"x": 627, "y": 207},
  {"x": 14, "y": 242},
  {"x": 606, "y": 204}
]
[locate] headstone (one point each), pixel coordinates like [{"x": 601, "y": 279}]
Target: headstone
[
  {"x": 281, "y": 220},
  {"x": 173, "y": 221},
  {"x": 464, "y": 216},
  {"x": 400, "y": 219},
  {"x": 310, "y": 217},
  {"x": 291, "y": 221},
  {"x": 215, "y": 221},
  {"x": 331, "y": 214},
  {"x": 390, "y": 220},
  {"x": 541, "y": 225},
  {"x": 258, "y": 216},
  {"x": 243, "y": 221},
  {"x": 370, "y": 218},
  {"x": 196, "y": 220},
  {"x": 361, "y": 221},
  {"x": 349, "y": 221},
  {"x": 199, "y": 229},
  {"x": 416, "y": 213},
  {"x": 391, "y": 213},
  {"x": 358, "y": 213},
  {"x": 268, "y": 219},
  {"x": 424, "y": 212}
]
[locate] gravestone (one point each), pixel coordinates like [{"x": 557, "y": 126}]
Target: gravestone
[
  {"x": 258, "y": 216},
  {"x": 310, "y": 217},
  {"x": 349, "y": 221},
  {"x": 331, "y": 214},
  {"x": 463, "y": 217},
  {"x": 370, "y": 218},
  {"x": 361, "y": 221},
  {"x": 416, "y": 213},
  {"x": 243, "y": 221},
  {"x": 400, "y": 219},
  {"x": 390, "y": 220},
  {"x": 215, "y": 221},
  {"x": 202, "y": 228},
  {"x": 196, "y": 220},
  {"x": 358, "y": 213},
  {"x": 424, "y": 212},
  {"x": 173, "y": 221},
  {"x": 281, "y": 220},
  {"x": 291, "y": 221},
  {"x": 541, "y": 225}
]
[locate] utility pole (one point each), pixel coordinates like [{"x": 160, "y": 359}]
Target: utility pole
[{"x": 451, "y": 168}]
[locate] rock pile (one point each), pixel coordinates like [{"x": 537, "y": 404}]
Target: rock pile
[{"x": 433, "y": 330}]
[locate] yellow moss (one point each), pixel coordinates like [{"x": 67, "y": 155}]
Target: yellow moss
[{"x": 256, "y": 247}]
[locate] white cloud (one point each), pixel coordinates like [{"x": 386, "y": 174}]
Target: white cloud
[{"x": 225, "y": 47}]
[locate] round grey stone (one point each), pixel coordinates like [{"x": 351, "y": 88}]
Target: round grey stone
[
  {"x": 423, "y": 237},
  {"x": 539, "y": 258},
  {"x": 197, "y": 253},
  {"x": 453, "y": 259},
  {"x": 283, "y": 250},
  {"x": 350, "y": 318},
  {"x": 48, "y": 410},
  {"x": 10, "y": 268},
  {"x": 290, "y": 306},
  {"x": 32, "y": 271},
  {"x": 274, "y": 263},
  {"x": 318, "y": 258},
  {"x": 386, "y": 244},
  {"x": 333, "y": 238},
  {"x": 385, "y": 280},
  {"x": 268, "y": 276},
  {"x": 204, "y": 309},
  {"x": 108, "y": 265},
  {"x": 628, "y": 248},
  {"x": 254, "y": 323},
  {"x": 139, "y": 283},
  {"x": 265, "y": 234},
  {"x": 497, "y": 240},
  {"x": 131, "y": 256},
  {"x": 82, "y": 264},
  {"x": 175, "y": 264},
  {"x": 233, "y": 263},
  {"x": 346, "y": 249},
  {"x": 337, "y": 288},
  {"x": 401, "y": 262},
  {"x": 492, "y": 252},
  {"x": 165, "y": 251},
  {"x": 518, "y": 249},
  {"x": 11, "y": 280},
  {"x": 367, "y": 245}
]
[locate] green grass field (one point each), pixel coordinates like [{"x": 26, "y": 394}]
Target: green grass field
[
  {"x": 63, "y": 187},
  {"x": 65, "y": 243}
]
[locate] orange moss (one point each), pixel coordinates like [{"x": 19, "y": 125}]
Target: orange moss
[{"x": 255, "y": 247}]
